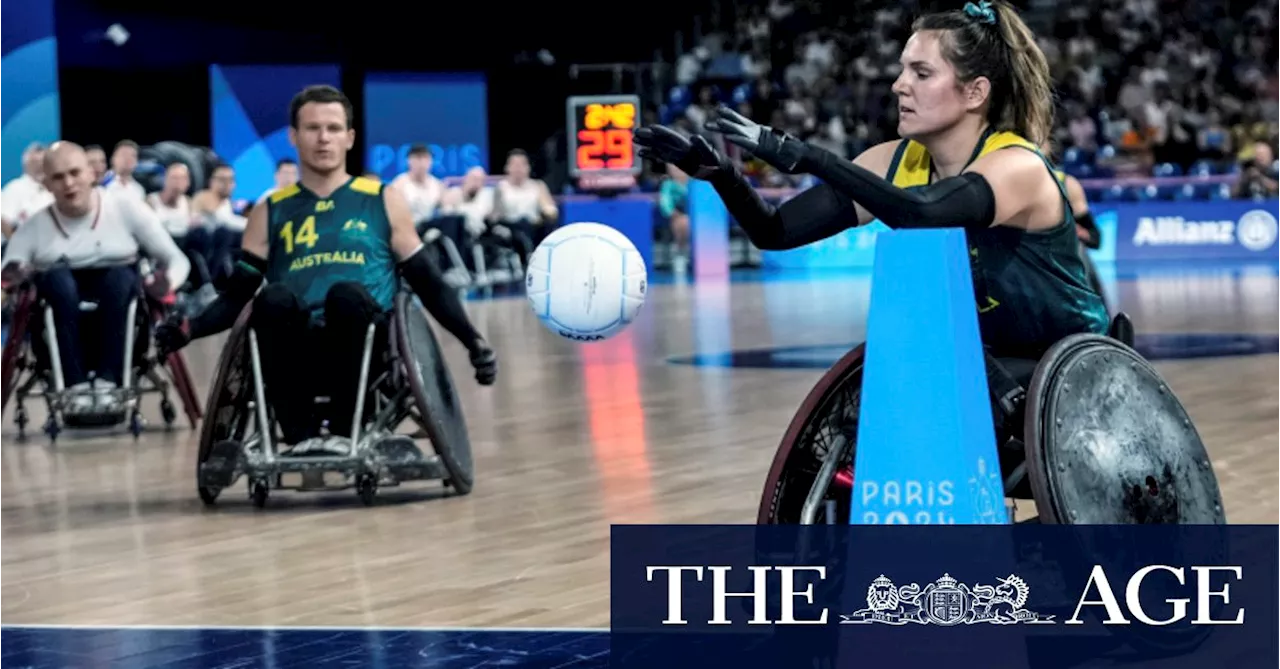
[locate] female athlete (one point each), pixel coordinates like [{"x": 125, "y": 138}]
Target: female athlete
[{"x": 974, "y": 103}]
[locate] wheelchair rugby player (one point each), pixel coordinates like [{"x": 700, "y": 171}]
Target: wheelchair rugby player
[
  {"x": 1085, "y": 427},
  {"x": 77, "y": 263},
  {"x": 320, "y": 270}
]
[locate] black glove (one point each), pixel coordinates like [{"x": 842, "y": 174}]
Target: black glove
[
  {"x": 171, "y": 336},
  {"x": 693, "y": 155},
  {"x": 768, "y": 144},
  {"x": 485, "y": 361}
]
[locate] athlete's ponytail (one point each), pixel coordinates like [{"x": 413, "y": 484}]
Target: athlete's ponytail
[{"x": 989, "y": 39}]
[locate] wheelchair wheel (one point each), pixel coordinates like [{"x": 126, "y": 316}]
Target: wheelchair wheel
[
  {"x": 1109, "y": 444},
  {"x": 435, "y": 397},
  {"x": 227, "y": 409},
  {"x": 826, "y": 420},
  {"x": 14, "y": 347}
]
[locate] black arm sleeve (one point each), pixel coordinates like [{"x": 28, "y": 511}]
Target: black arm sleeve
[
  {"x": 964, "y": 201},
  {"x": 245, "y": 280},
  {"x": 815, "y": 214},
  {"x": 440, "y": 299},
  {"x": 1085, "y": 220}
]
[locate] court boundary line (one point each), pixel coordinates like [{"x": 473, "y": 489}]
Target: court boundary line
[{"x": 297, "y": 628}]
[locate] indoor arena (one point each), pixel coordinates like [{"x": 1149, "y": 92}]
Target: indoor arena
[{"x": 387, "y": 428}]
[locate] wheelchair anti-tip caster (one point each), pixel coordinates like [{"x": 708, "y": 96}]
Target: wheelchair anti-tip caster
[
  {"x": 168, "y": 413},
  {"x": 136, "y": 424},
  {"x": 258, "y": 492},
  {"x": 367, "y": 488},
  {"x": 20, "y": 419},
  {"x": 208, "y": 495}
]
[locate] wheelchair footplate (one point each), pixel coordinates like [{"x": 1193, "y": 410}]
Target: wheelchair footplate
[
  {"x": 322, "y": 464},
  {"x": 104, "y": 408}
]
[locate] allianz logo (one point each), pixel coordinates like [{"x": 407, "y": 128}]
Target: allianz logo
[{"x": 1256, "y": 231}]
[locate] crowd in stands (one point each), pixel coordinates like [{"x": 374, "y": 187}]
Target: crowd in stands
[{"x": 1164, "y": 87}]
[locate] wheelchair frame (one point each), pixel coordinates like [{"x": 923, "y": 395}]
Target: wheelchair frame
[
  {"x": 400, "y": 393},
  {"x": 127, "y": 397}
]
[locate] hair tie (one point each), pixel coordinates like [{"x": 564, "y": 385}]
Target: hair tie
[{"x": 982, "y": 12}]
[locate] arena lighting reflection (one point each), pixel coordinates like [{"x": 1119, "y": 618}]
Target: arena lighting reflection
[{"x": 615, "y": 413}]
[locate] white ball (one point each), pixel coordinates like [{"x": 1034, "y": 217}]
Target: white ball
[{"x": 586, "y": 282}]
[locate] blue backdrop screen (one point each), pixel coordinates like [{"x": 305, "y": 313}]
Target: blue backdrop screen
[
  {"x": 250, "y": 117},
  {"x": 447, "y": 112},
  {"x": 29, "y": 109}
]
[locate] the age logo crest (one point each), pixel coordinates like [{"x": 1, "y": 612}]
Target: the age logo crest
[{"x": 947, "y": 602}]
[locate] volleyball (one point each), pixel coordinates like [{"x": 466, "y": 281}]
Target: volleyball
[{"x": 586, "y": 282}]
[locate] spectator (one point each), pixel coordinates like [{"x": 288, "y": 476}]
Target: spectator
[
  {"x": 25, "y": 195},
  {"x": 173, "y": 208},
  {"x": 124, "y": 160},
  {"x": 286, "y": 175},
  {"x": 1259, "y": 174},
  {"x": 97, "y": 162},
  {"x": 211, "y": 208},
  {"x": 420, "y": 187},
  {"x": 524, "y": 212},
  {"x": 673, "y": 208},
  {"x": 473, "y": 200}
]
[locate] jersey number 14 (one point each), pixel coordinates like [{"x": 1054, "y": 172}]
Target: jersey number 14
[{"x": 306, "y": 235}]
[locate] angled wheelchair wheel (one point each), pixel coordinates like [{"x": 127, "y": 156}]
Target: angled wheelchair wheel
[
  {"x": 813, "y": 466},
  {"x": 15, "y": 346},
  {"x": 439, "y": 410},
  {"x": 1109, "y": 444},
  {"x": 227, "y": 410}
]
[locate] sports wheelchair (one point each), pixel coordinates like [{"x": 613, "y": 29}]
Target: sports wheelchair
[
  {"x": 1096, "y": 437},
  {"x": 32, "y": 366},
  {"x": 410, "y": 382}
]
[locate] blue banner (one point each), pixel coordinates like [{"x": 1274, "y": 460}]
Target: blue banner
[
  {"x": 906, "y": 597},
  {"x": 249, "y": 106},
  {"x": 447, "y": 112},
  {"x": 1222, "y": 230},
  {"x": 1217, "y": 230},
  {"x": 30, "y": 109}
]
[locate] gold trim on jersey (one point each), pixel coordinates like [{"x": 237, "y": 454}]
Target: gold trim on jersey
[
  {"x": 913, "y": 164},
  {"x": 285, "y": 193},
  {"x": 366, "y": 186}
]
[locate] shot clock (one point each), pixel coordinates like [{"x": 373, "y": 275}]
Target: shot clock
[{"x": 601, "y": 153}]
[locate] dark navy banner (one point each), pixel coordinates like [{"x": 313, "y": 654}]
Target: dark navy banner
[
  {"x": 1025, "y": 596},
  {"x": 449, "y": 112}
]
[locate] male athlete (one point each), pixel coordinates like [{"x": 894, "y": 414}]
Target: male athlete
[{"x": 327, "y": 248}]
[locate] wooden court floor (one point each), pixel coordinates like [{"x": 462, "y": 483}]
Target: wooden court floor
[{"x": 573, "y": 438}]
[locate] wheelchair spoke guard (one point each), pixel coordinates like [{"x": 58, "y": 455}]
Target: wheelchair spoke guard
[
  {"x": 433, "y": 391},
  {"x": 1109, "y": 444}
]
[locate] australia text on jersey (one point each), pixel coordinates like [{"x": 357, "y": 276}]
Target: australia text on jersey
[{"x": 333, "y": 257}]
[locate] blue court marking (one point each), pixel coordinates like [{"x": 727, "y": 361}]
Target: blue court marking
[
  {"x": 1153, "y": 347},
  {"x": 38, "y": 647}
]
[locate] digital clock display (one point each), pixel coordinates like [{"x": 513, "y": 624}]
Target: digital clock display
[{"x": 600, "y": 128}]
